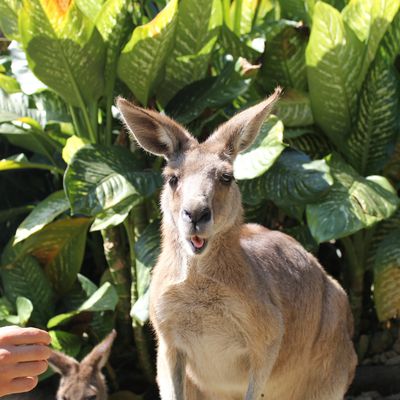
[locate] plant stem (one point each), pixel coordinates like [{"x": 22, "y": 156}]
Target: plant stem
[
  {"x": 237, "y": 17},
  {"x": 119, "y": 270},
  {"x": 355, "y": 272},
  {"x": 138, "y": 331}
]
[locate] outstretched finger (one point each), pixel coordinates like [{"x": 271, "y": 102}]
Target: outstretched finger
[
  {"x": 22, "y": 385},
  {"x": 31, "y": 368},
  {"x": 12, "y": 335}
]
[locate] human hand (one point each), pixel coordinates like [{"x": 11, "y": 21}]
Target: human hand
[{"x": 23, "y": 356}]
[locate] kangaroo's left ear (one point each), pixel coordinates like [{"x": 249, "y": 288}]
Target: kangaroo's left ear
[{"x": 237, "y": 134}]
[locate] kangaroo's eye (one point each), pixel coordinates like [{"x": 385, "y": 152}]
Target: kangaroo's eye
[
  {"x": 226, "y": 178},
  {"x": 173, "y": 181}
]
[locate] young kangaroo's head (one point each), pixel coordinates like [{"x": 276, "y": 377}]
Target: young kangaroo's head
[
  {"x": 200, "y": 199},
  {"x": 84, "y": 380}
]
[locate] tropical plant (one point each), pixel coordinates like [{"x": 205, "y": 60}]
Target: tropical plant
[{"x": 324, "y": 168}]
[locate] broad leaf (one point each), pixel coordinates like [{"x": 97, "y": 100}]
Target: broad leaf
[
  {"x": 261, "y": 155},
  {"x": 352, "y": 203},
  {"x": 22, "y": 275},
  {"x": 369, "y": 20},
  {"x": 293, "y": 180},
  {"x": 196, "y": 32},
  {"x": 9, "y": 10},
  {"x": 243, "y": 13},
  {"x": 73, "y": 144},
  {"x": 377, "y": 121},
  {"x": 64, "y": 49},
  {"x": 45, "y": 212},
  {"x": 24, "y": 310},
  {"x": 294, "y": 109},
  {"x": 284, "y": 60},
  {"x": 99, "y": 178},
  {"x": 142, "y": 60},
  {"x": 213, "y": 92},
  {"x": 59, "y": 247},
  {"x": 19, "y": 161},
  {"x": 66, "y": 342},
  {"x": 9, "y": 84},
  {"x": 387, "y": 277},
  {"x": 103, "y": 299},
  {"x": 147, "y": 250},
  {"x": 390, "y": 44},
  {"x": 333, "y": 64}
]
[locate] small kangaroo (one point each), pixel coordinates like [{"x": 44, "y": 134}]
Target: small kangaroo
[
  {"x": 239, "y": 311},
  {"x": 79, "y": 381}
]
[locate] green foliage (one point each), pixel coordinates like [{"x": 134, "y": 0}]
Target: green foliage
[{"x": 319, "y": 169}]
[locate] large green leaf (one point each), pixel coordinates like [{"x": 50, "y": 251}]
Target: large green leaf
[
  {"x": 293, "y": 180},
  {"x": 284, "y": 60},
  {"x": 19, "y": 161},
  {"x": 9, "y": 10},
  {"x": 261, "y": 155},
  {"x": 22, "y": 275},
  {"x": 45, "y": 212},
  {"x": 147, "y": 250},
  {"x": 9, "y": 84},
  {"x": 99, "y": 178},
  {"x": 59, "y": 247},
  {"x": 243, "y": 13},
  {"x": 352, "y": 203},
  {"x": 369, "y": 19},
  {"x": 142, "y": 61},
  {"x": 387, "y": 277},
  {"x": 294, "y": 109},
  {"x": 211, "y": 92},
  {"x": 333, "y": 63},
  {"x": 376, "y": 127},
  {"x": 64, "y": 49},
  {"x": 66, "y": 342},
  {"x": 390, "y": 44},
  {"x": 103, "y": 299},
  {"x": 196, "y": 32}
]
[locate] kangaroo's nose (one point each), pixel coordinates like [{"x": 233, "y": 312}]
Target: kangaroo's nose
[{"x": 195, "y": 217}]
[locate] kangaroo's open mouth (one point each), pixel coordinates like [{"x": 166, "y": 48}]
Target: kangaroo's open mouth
[{"x": 198, "y": 244}]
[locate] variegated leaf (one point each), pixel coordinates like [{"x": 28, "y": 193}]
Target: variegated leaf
[
  {"x": 352, "y": 203},
  {"x": 197, "y": 30},
  {"x": 142, "y": 61},
  {"x": 387, "y": 277},
  {"x": 9, "y": 10},
  {"x": 390, "y": 44},
  {"x": 369, "y": 19},
  {"x": 376, "y": 127},
  {"x": 294, "y": 109},
  {"x": 284, "y": 60},
  {"x": 333, "y": 63},
  {"x": 59, "y": 247}
]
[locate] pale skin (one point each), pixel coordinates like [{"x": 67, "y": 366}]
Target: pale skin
[{"x": 23, "y": 357}]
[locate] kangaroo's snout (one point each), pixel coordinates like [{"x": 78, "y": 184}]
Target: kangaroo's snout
[{"x": 196, "y": 216}]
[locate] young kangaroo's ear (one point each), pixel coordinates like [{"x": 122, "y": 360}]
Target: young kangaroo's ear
[
  {"x": 155, "y": 132},
  {"x": 98, "y": 357},
  {"x": 237, "y": 134},
  {"x": 61, "y": 363}
]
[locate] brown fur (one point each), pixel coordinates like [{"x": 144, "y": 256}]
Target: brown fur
[
  {"x": 253, "y": 315},
  {"x": 79, "y": 381}
]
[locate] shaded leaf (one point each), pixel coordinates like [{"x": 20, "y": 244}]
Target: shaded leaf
[
  {"x": 352, "y": 203},
  {"x": 387, "y": 277},
  {"x": 103, "y": 299},
  {"x": 45, "y": 212},
  {"x": 99, "y": 178},
  {"x": 9, "y": 10},
  {"x": 293, "y": 180},
  {"x": 196, "y": 32},
  {"x": 59, "y": 247},
  {"x": 66, "y": 342},
  {"x": 20, "y": 161}
]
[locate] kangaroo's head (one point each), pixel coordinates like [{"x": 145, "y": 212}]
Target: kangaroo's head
[
  {"x": 200, "y": 198},
  {"x": 84, "y": 380}
]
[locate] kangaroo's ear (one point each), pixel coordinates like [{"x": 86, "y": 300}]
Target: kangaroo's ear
[
  {"x": 155, "y": 132},
  {"x": 61, "y": 363},
  {"x": 237, "y": 134},
  {"x": 98, "y": 357}
]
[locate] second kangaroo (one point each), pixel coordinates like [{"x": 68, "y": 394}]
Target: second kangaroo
[{"x": 240, "y": 312}]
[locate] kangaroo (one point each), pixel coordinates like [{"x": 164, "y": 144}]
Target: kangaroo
[
  {"x": 239, "y": 311},
  {"x": 79, "y": 381}
]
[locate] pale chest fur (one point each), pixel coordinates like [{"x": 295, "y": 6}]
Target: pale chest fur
[{"x": 204, "y": 321}]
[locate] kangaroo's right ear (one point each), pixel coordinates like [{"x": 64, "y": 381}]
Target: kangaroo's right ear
[
  {"x": 155, "y": 132},
  {"x": 61, "y": 363}
]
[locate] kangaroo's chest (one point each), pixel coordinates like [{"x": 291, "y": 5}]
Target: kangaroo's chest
[{"x": 206, "y": 323}]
